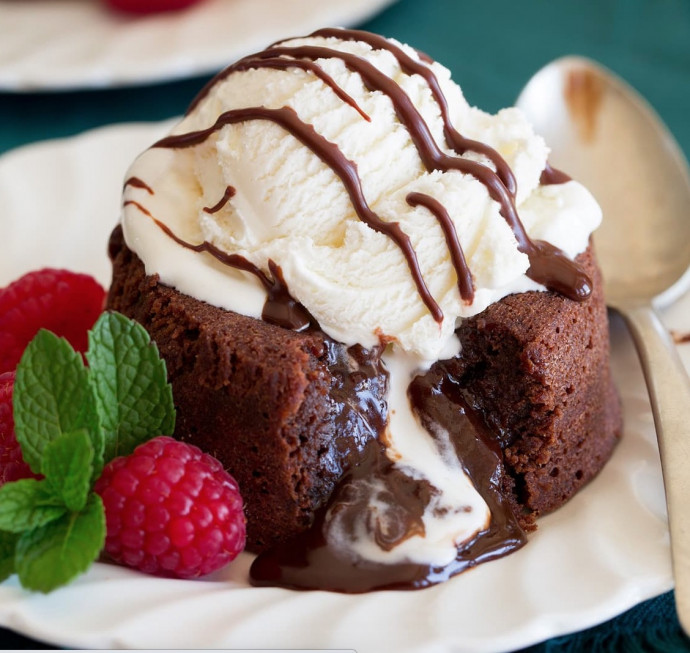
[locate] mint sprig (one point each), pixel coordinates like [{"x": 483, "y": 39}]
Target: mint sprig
[
  {"x": 57, "y": 552},
  {"x": 52, "y": 396},
  {"x": 27, "y": 504},
  {"x": 68, "y": 467},
  {"x": 71, "y": 420},
  {"x": 129, "y": 381}
]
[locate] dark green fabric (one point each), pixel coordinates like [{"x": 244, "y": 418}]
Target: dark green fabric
[
  {"x": 651, "y": 627},
  {"x": 492, "y": 47}
]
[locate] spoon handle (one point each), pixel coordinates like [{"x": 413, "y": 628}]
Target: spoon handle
[{"x": 669, "y": 390}]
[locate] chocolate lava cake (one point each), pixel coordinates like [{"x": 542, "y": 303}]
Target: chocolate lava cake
[
  {"x": 346, "y": 171},
  {"x": 288, "y": 413}
]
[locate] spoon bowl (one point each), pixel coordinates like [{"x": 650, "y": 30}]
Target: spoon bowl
[{"x": 605, "y": 135}]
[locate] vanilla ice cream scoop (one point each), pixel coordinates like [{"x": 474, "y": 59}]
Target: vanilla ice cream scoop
[{"x": 355, "y": 165}]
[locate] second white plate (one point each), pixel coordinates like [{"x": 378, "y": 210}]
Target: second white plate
[{"x": 69, "y": 44}]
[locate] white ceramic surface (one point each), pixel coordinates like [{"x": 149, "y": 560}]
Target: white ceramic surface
[
  {"x": 67, "y": 44},
  {"x": 602, "y": 553}
]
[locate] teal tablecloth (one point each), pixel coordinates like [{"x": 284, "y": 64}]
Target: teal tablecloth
[{"x": 492, "y": 48}]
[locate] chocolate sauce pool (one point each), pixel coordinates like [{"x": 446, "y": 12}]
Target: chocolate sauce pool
[{"x": 308, "y": 561}]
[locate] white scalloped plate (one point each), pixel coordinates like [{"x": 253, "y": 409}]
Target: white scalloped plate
[
  {"x": 67, "y": 44},
  {"x": 603, "y": 552}
]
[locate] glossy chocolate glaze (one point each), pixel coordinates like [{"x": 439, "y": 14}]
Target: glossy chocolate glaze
[
  {"x": 308, "y": 561},
  {"x": 357, "y": 400}
]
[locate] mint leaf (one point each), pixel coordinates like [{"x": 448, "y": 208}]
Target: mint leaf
[
  {"x": 27, "y": 504},
  {"x": 8, "y": 543},
  {"x": 54, "y": 554},
  {"x": 67, "y": 465},
  {"x": 130, "y": 380},
  {"x": 52, "y": 395}
]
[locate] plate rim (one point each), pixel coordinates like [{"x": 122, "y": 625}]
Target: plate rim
[{"x": 173, "y": 66}]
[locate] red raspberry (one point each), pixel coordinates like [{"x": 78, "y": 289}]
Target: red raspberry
[
  {"x": 149, "y": 6},
  {"x": 171, "y": 510},
  {"x": 12, "y": 465},
  {"x": 64, "y": 302}
]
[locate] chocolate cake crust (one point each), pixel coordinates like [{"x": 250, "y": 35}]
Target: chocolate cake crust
[
  {"x": 288, "y": 413},
  {"x": 536, "y": 366},
  {"x": 278, "y": 408}
]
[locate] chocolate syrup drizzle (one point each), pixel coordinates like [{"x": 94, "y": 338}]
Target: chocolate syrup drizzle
[
  {"x": 279, "y": 64},
  {"x": 552, "y": 176},
  {"x": 279, "y": 308},
  {"x": 332, "y": 156},
  {"x": 135, "y": 182},
  {"x": 227, "y": 196},
  {"x": 465, "y": 282},
  {"x": 411, "y": 67},
  {"x": 548, "y": 265}
]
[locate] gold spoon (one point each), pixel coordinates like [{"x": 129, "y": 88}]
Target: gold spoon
[{"x": 604, "y": 134}]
